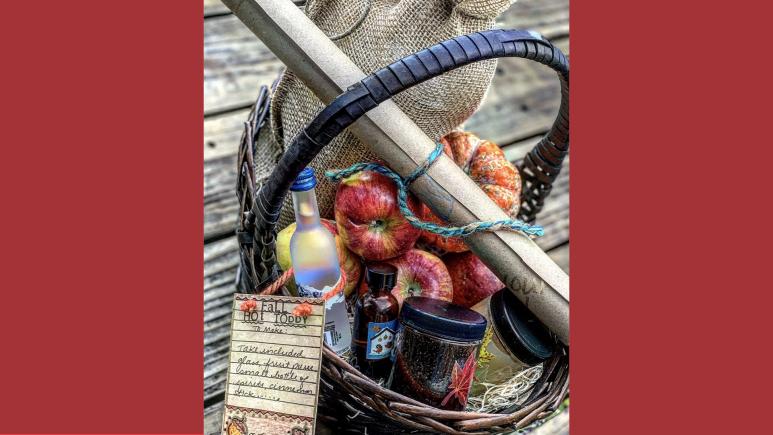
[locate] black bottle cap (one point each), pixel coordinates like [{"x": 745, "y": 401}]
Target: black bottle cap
[
  {"x": 519, "y": 329},
  {"x": 381, "y": 275}
]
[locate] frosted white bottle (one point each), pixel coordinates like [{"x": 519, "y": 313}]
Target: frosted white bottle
[{"x": 315, "y": 262}]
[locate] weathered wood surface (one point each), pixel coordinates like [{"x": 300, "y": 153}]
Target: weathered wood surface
[
  {"x": 214, "y": 7},
  {"x": 236, "y": 63},
  {"x": 519, "y": 107},
  {"x": 522, "y": 103}
]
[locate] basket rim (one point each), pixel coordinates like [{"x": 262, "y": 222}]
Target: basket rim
[{"x": 547, "y": 396}]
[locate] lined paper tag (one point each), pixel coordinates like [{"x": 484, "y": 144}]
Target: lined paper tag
[{"x": 274, "y": 366}]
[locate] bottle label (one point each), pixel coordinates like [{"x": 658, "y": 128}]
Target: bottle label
[
  {"x": 338, "y": 333},
  {"x": 381, "y": 339}
]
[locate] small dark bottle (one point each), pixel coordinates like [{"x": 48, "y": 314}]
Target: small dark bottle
[{"x": 375, "y": 323}]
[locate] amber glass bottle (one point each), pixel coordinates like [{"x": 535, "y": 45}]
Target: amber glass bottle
[{"x": 375, "y": 323}]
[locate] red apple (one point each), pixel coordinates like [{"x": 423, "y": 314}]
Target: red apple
[
  {"x": 420, "y": 273},
  {"x": 369, "y": 219},
  {"x": 472, "y": 280}
]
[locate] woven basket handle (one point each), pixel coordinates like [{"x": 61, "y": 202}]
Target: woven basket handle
[{"x": 540, "y": 167}]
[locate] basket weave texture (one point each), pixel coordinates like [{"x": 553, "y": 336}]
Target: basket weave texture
[
  {"x": 348, "y": 400},
  {"x": 351, "y": 403}
]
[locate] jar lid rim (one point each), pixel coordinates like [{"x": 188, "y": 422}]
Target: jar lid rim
[
  {"x": 443, "y": 319},
  {"x": 523, "y": 334}
]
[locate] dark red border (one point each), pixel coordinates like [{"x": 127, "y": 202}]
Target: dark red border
[
  {"x": 102, "y": 221},
  {"x": 670, "y": 223},
  {"x": 101, "y": 181}
]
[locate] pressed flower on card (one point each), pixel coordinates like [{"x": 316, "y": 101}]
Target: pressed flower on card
[{"x": 249, "y": 305}]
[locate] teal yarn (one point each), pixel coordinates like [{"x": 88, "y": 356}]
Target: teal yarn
[{"x": 402, "y": 201}]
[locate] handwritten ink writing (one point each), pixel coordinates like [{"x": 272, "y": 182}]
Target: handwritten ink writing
[
  {"x": 273, "y": 312},
  {"x": 278, "y": 351},
  {"x": 299, "y": 389},
  {"x": 246, "y": 360},
  {"x": 253, "y": 394},
  {"x": 275, "y": 359}
]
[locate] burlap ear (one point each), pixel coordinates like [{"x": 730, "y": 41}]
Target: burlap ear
[{"x": 374, "y": 33}]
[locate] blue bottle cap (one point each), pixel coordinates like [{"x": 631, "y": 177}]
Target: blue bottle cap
[{"x": 304, "y": 181}]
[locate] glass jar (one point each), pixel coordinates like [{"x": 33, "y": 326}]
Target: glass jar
[
  {"x": 515, "y": 340},
  {"x": 435, "y": 355}
]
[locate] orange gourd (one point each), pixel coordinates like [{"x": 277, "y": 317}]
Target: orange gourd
[{"x": 487, "y": 165}]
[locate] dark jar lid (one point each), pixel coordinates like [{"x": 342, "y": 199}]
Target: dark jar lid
[
  {"x": 518, "y": 329},
  {"x": 442, "y": 319}
]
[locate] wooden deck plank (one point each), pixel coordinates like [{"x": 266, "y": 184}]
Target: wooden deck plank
[
  {"x": 214, "y": 7},
  {"x": 522, "y": 102},
  {"x": 236, "y": 63},
  {"x": 223, "y": 132}
]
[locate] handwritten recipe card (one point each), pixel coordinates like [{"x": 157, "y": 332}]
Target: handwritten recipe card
[{"x": 275, "y": 362}]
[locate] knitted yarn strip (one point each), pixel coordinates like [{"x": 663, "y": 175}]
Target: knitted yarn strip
[{"x": 402, "y": 200}]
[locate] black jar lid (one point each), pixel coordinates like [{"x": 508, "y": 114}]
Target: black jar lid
[
  {"x": 443, "y": 319},
  {"x": 518, "y": 329}
]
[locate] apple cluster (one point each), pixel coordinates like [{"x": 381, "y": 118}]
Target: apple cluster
[{"x": 369, "y": 226}]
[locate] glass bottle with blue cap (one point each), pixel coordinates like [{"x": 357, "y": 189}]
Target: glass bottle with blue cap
[{"x": 315, "y": 262}]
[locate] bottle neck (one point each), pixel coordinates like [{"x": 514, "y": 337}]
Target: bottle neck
[
  {"x": 378, "y": 291},
  {"x": 306, "y": 210}
]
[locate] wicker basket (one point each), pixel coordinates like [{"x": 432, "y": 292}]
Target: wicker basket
[{"x": 349, "y": 401}]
